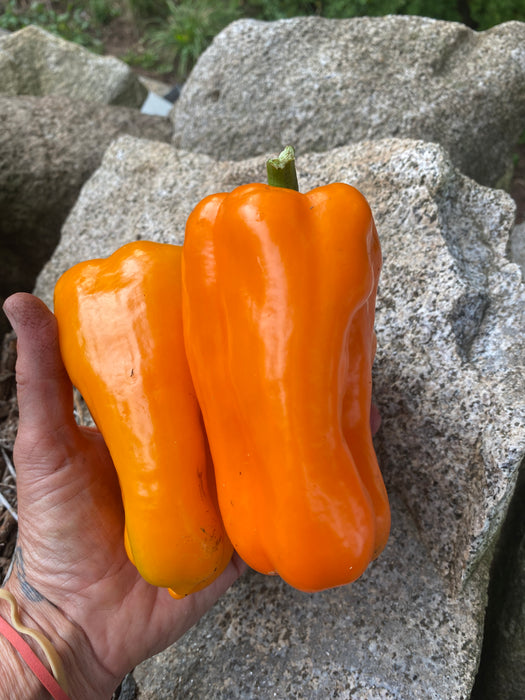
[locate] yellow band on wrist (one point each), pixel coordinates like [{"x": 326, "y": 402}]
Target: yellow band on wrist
[{"x": 50, "y": 652}]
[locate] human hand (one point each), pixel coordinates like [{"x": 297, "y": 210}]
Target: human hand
[{"x": 71, "y": 574}]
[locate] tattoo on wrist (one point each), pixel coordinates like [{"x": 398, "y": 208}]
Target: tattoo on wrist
[{"x": 30, "y": 592}]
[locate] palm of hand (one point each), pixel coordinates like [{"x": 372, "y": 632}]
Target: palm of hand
[{"x": 71, "y": 519}]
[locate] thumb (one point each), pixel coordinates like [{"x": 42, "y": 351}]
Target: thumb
[{"x": 45, "y": 399}]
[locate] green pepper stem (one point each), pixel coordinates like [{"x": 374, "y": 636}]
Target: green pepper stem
[{"x": 281, "y": 170}]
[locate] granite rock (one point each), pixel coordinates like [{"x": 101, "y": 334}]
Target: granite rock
[
  {"x": 49, "y": 146},
  {"x": 36, "y": 62},
  {"x": 394, "y": 634},
  {"x": 319, "y": 83},
  {"x": 448, "y": 385}
]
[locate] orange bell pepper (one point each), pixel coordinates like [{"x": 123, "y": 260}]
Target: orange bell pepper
[
  {"x": 279, "y": 296},
  {"x": 120, "y": 334}
]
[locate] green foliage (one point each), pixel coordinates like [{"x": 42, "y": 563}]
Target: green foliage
[
  {"x": 487, "y": 13},
  {"x": 70, "y": 22},
  {"x": 278, "y": 9},
  {"x": 142, "y": 57},
  {"x": 187, "y": 30},
  {"x": 480, "y": 14},
  {"x": 147, "y": 9},
  {"x": 101, "y": 11},
  {"x": 438, "y": 9}
]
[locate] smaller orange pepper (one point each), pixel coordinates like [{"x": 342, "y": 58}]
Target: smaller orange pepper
[{"x": 120, "y": 334}]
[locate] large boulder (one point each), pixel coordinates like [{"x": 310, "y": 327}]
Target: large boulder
[
  {"x": 36, "y": 62},
  {"x": 450, "y": 317},
  {"x": 318, "y": 83},
  {"x": 49, "y": 147}
]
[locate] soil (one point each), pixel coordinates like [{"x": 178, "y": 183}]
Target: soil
[
  {"x": 8, "y": 426},
  {"x": 121, "y": 37}
]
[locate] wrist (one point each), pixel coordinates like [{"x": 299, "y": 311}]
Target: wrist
[
  {"x": 16, "y": 679},
  {"x": 86, "y": 679}
]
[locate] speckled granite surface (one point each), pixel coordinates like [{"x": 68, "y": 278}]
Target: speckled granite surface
[
  {"x": 319, "y": 83},
  {"x": 392, "y": 634}
]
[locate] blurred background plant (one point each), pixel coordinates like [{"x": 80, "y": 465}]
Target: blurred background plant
[
  {"x": 186, "y": 30},
  {"x": 164, "y": 38},
  {"x": 76, "y": 22}
]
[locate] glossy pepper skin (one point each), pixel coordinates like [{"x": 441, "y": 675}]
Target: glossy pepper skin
[
  {"x": 120, "y": 334},
  {"x": 278, "y": 308}
]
